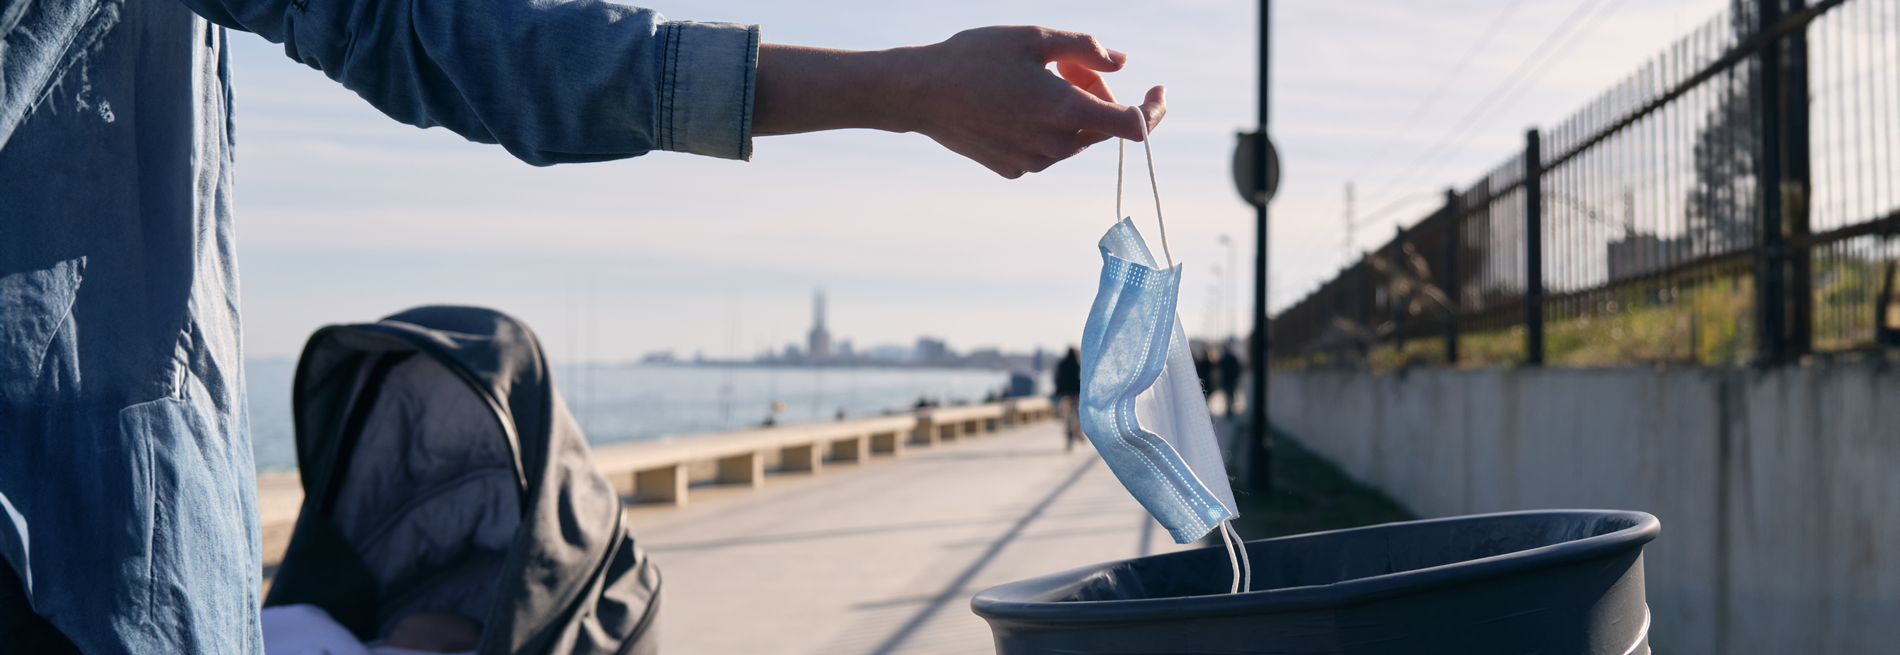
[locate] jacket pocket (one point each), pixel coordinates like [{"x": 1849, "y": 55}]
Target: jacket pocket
[{"x": 205, "y": 560}]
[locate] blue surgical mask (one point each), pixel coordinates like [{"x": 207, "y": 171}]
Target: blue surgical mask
[{"x": 1141, "y": 402}]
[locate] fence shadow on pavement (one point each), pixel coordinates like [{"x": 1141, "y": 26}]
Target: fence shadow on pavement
[{"x": 1309, "y": 495}]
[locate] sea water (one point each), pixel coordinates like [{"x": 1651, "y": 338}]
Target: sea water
[{"x": 616, "y": 403}]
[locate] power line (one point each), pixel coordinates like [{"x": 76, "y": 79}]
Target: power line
[
  {"x": 1543, "y": 68},
  {"x": 1459, "y": 130},
  {"x": 1510, "y": 88},
  {"x": 1484, "y": 39},
  {"x": 1400, "y": 203}
]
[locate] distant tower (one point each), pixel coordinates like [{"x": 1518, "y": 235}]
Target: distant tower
[{"x": 819, "y": 346}]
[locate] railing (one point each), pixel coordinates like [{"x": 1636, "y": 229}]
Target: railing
[{"x": 1640, "y": 228}]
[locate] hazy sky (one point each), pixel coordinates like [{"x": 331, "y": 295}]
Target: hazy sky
[{"x": 345, "y": 215}]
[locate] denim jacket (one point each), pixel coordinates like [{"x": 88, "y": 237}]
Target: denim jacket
[{"x": 127, "y": 491}]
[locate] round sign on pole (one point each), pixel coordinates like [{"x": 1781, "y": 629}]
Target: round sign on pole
[{"x": 1247, "y": 178}]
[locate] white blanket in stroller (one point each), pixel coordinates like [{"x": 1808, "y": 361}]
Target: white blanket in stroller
[{"x": 308, "y": 630}]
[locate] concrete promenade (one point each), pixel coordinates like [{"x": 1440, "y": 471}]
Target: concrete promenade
[
  {"x": 883, "y": 558},
  {"x": 879, "y": 557}
]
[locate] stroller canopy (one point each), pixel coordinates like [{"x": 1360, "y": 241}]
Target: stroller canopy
[{"x": 442, "y": 472}]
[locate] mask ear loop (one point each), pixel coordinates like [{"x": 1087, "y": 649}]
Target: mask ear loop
[
  {"x": 1243, "y": 569},
  {"x": 1231, "y": 560},
  {"x": 1121, "y": 162}
]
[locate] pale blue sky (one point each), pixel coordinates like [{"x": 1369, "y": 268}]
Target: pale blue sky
[{"x": 344, "y": 215}]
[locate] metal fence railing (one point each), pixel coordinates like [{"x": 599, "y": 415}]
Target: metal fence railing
[{"x": 1643, "y": 229}]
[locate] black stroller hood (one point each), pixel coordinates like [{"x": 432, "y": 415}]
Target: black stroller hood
[{"x": 442, "y": 472}]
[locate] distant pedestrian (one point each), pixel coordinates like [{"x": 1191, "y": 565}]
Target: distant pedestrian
[
  {"x": 1204, "y": 369},
  {"x": 1068, "y": 393},
  {"x": 1229, "y": 376}
]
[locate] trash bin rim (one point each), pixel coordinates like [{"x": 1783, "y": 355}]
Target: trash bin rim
[{"x": 993, "y": 604}]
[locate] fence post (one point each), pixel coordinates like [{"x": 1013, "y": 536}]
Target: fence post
[
  {"x": 1533, "y": 249},
  {"x": 1395, "y": 308},
  {"x": 1783, "y": 291},
  {"x": 1794, "y": 187},
  {"x": 1770, "y": 251},
  {"x": 1448, "y": 246}
]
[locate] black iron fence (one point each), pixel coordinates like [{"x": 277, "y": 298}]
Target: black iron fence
[{"x": 1736, "y": 199}]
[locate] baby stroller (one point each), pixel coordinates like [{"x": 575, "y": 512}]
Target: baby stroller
[{"x": 442, "y": 473}]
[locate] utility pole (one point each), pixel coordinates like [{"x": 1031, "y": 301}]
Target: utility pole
[
  {"x": 1448, "y": 271},
  {"x": 1348, "y": 223},
  {"x": 1259, "y": 437},
  {"x": 1533, "y": 249}
]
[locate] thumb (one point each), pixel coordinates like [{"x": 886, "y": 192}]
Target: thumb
[{"x": 1080, "y": 49}]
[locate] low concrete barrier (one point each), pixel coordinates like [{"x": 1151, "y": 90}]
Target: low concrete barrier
[
  {"x": 1027, "y": 410},
  {"x": 1776, "y": 488},
  {"x": 656, "y": 471},
  {"x": 940, "y": 424},
  {"x": 661, "y": 471}
]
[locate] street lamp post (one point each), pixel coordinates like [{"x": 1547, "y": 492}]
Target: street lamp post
[
  {"x": 1260, "y": 439},
  {"x": 1228, "y": 318},
  {"x": 1216, "y": 319}
]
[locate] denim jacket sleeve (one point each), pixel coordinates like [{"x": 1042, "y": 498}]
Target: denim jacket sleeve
[{"x": 552, "y": 81}]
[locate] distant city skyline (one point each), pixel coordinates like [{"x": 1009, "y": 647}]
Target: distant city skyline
[{"x": 820, "y": 349}]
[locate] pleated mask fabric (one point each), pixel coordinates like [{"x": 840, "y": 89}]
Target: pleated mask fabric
[{"x": 1141, "y": 403}]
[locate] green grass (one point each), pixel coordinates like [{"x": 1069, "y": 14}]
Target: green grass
[
  {"x": 1310, "y": 495},
  {"x": 1706, "y": 320}
]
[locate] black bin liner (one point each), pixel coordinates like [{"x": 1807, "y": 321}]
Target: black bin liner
[{"x": 1561, "y": 581}]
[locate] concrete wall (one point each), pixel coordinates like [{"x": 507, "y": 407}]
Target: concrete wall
[{"x": 1779, "y": 491}]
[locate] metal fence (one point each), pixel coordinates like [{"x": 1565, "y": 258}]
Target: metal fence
[{"x": 1644, "y": 228}]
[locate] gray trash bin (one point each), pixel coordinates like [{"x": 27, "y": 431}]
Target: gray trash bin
[{"x": 1566, "y": 581}]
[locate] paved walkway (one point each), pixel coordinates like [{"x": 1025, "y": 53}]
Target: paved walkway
[{"x": 882, "y": 559}]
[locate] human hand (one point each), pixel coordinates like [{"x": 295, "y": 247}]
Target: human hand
[{"x": 985, "y": 93}]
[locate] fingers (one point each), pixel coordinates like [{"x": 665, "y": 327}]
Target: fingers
[
  {"x": 1098, "y": 121},
  {"x": 1016, "y": 119},
  {"x": 1154, "y": 106},
  {"x": 1081, "y": 49},
  {"x": 1086, "y": 138},
  {"x": 1086, "y": 113},
  {"x": 1087, "y": 79},
  {"x": 1091, "y": 113}
]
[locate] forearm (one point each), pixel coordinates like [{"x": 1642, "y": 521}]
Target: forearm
[{"x": 802, "y": 89}]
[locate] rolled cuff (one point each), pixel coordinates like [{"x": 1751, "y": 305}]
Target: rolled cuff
[{"x": 706, "y": 88}]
